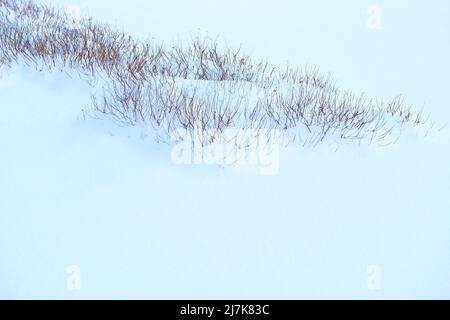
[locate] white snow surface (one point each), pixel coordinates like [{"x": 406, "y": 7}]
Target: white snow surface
[{"x": 76, "y": 190}]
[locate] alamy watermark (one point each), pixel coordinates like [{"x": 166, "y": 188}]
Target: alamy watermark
[
  {"x": 373, "y": 277},
  {"x": 73, "y": 17},
  {"x": 374, "y": 19},
  {"x": 73, "y": 281},
  {"x": 249, "y": 147}
]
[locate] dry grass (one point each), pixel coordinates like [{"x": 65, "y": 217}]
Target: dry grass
[{"x": 149, "y": 84}]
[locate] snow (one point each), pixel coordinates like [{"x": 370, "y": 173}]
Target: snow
[{"x": 80, "y": 191}]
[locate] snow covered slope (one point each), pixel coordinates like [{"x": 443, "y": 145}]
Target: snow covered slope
[{"x": 88, "y": 197}]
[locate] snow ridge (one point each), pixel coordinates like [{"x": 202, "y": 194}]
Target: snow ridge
[{"x": 198, "y": 87}]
